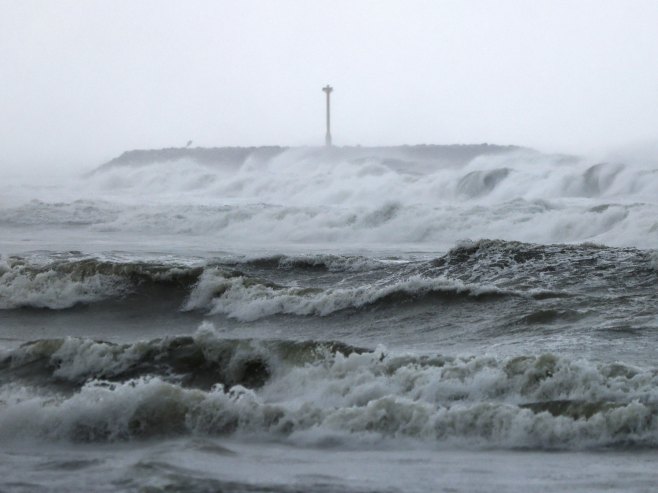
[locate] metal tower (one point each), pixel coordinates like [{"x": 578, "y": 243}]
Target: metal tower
[{"x": 327, "y": 89}]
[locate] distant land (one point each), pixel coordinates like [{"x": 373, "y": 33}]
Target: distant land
[{"x": 236, "y": 156}]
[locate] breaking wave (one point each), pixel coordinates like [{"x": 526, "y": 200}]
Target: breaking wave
[
  {"x": 317, "y": 392},
  {"x": 65, "y": 283},
  {"x": 316, "y": 262},
  {"x": 250, "y": 288},
  {"x": 395, "y": 197},
  {"x": 248, "y": 299},
  {"x": 202, "y": 360}
]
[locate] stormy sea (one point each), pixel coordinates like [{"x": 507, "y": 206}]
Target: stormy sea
[{"x": 346, "y": 319}]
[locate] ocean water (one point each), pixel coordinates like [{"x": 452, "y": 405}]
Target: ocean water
[{"x": 331, "y": 320}]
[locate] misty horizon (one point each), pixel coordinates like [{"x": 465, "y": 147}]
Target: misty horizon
[{"x": 84, "y": 82}]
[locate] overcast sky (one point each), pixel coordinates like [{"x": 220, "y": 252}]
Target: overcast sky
[{"x": 83, "y": 80}]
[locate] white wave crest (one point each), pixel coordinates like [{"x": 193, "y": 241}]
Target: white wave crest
[
  {"x": 22, "y": 286},
  {"x": 247, "y": 299},
  {"x": 363, "y": 397},
  {"x": 394, "y": 200}
]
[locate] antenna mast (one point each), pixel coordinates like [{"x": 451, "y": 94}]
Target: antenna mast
[{"x": 327, "y": 139}]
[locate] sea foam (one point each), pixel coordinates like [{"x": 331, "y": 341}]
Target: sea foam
[
  {"x": 249, "y": 299},
  {"x": 353, "y": 396},
  {"x": 395, "y": 200}
]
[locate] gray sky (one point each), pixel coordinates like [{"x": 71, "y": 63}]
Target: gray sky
[{"x": 83, "y": 80}]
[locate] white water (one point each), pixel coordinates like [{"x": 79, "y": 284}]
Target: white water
[
  {"x": 354, "y": 400},
  {"x": 362, "y": 422},
  {"x": 248, "y": 301},
  {"x": 301, "y": 200},
  {"x": 51, "y": 289}
]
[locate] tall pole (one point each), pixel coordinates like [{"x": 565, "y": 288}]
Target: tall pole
[{"x": 327, "y": 139}]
